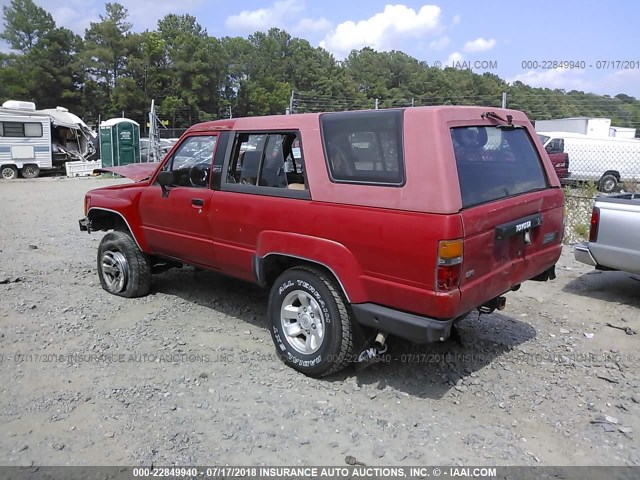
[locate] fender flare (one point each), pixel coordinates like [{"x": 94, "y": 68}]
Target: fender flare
[
  {"x": 137, "y": 235},
  {"x": 332, "y": 255}
]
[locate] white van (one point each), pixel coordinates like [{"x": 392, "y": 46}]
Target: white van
[
  {"x": 33, "y": 140},
  {"x": 607, "y": 161}
]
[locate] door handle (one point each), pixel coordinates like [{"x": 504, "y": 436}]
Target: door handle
[{"x": 197, "y": 202}]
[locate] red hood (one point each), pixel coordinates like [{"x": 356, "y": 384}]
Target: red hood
[{"x": 135, "y": 171}]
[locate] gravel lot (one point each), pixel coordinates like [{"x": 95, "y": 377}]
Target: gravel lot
[{"x": 188, "y": 375}]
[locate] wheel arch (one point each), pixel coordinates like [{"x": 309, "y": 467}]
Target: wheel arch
[
  {"x": 333, "y": 258},
  {"x": 615, "y": 173},
  {"x": 106, "y": 219},
  {"x": 269, "y": 268}
]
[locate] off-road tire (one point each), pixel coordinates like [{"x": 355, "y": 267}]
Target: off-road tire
[{"x": 336, "y": 349}]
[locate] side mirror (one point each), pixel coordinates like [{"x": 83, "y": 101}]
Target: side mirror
[{"x": 165, "y": 179}]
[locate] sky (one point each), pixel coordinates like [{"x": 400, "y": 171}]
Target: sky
[{"x": 514, "y": 40}]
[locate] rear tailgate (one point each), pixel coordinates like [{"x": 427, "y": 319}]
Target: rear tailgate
[{"x": 512, "y": 219}]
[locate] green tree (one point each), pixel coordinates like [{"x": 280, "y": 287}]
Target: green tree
[
  {"x": 46, "y": 70},
  {"x": 106, "y": 45},
  {"x": 25, "y": 24},
  {"x": 195, "y": 65}
]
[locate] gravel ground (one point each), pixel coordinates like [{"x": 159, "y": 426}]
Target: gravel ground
[{"x": 188, "y": 375}]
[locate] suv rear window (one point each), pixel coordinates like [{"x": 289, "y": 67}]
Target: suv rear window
[
  {"x": 364, "y": 147},
  {"x": 495, "y": 162}
]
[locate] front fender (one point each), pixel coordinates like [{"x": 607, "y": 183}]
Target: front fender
[{"x": 134, "y": 227}]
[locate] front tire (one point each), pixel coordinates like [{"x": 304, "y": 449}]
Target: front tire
[
  {"x": 9, "y": 172},
  {"x": 123, "y": 269},
  {"x": 310, "y": 322}
]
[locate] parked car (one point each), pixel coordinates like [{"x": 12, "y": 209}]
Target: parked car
[
  {"x": 607, "y": 161},
  {"x": 613, "y": 237},
  {"x": 361, "y": 224},
  {"x": 559, "y": 158}
]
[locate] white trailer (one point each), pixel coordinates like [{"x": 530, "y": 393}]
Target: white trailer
[
  {"x": 33, "y": 140},
  {"x": 622, "y": 132},
  {"x": 592, "y": 126},
  {"x": 607, "y": 161}
]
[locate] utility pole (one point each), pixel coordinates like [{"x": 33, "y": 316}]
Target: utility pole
[
  {"x": 504, "y": 99},
  {"x": 230, "y": 113},
  {"x": 376, "y": 104},
  {"x": 412, "y": 102},
  {"x": 290, "y": 111}
]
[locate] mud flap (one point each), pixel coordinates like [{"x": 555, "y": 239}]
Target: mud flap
[{"x": 549, "y": 274}]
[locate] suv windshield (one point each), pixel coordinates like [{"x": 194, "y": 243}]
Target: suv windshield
[{"x": 494, "y": 163}]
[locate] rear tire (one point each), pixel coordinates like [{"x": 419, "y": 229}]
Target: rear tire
[
  {"x": 9, "y": 172},
  {"x": 608, "y": 183},
  {"x": 123, "y": 269},
  {"x": 30, "y": 171},
  {"x": 310, "y": 322}
]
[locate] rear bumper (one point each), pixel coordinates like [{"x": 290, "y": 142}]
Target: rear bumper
[
  {"x": 412, "y": 327},
  {"x": 582, "y": 254}
]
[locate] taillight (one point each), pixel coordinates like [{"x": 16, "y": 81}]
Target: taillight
[
  {"x": 86, "y": 204},
  {"x": 449, "y": 265},
  {"x": 595, "y": 222}
]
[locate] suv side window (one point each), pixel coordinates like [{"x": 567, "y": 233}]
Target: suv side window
[
  {"x": 267, "y": 160},
  {"x": 191, "y": 162},
  {"x": 364, "y": 147}
]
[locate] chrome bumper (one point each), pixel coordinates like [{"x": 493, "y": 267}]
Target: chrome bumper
[{"x": 582, "y": 254}]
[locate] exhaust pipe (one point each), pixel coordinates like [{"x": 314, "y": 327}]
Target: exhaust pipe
[
  {"x": 371, "y": 355},
  {"x": 380, "y": 340},
  {"x": 497, "y": 303}
]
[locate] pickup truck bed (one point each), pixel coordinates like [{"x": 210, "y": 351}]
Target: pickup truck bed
[{"x": 615, "y": 230}]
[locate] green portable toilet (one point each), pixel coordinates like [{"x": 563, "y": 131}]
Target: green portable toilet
[{"x": 119, "y": 142}]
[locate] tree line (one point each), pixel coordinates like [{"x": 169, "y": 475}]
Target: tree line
[{"x": 196, "y": 77}]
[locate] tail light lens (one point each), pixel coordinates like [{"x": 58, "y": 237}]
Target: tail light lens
[
  {"x": 595, "y": 222},
  {"x": 86, "y": 204},
  {"x": 449, "y": 265}
]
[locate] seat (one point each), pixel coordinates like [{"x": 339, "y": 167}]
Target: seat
[
  {"x": 250, "y": 167},
  {"x": 273, "y": 173}
]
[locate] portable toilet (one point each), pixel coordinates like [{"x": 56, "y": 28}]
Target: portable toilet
[{"x": 119, "y": 142}]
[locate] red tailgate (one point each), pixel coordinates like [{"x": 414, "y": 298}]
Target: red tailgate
[
  {"x": 512, "y": 217},
  {"x": 497, "y": 255}
]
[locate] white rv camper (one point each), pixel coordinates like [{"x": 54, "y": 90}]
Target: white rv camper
[
  {"x": 33, "y": 140},
  {"x": 607, "y": 161}
]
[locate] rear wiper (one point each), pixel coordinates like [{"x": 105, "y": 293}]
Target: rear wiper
[{"x": 509, "y": 120}]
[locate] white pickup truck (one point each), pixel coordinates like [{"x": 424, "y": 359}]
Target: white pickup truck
[{"x": 614, "y": 236}]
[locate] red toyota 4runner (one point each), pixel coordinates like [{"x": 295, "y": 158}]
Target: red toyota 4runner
[{"x": 362, "y": 223}]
